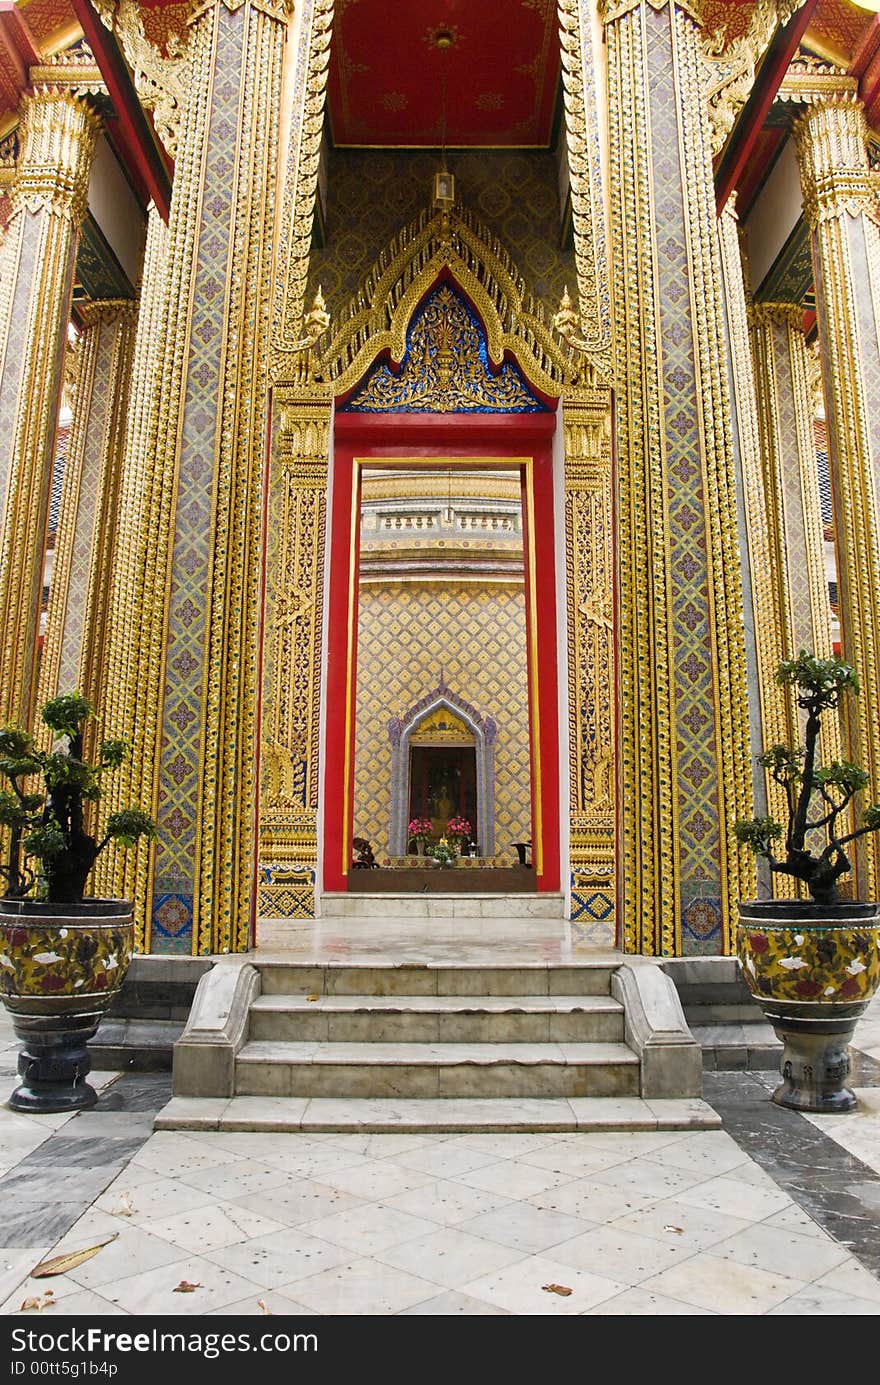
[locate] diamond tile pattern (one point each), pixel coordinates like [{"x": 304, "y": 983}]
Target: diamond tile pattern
[
  {"x": 372, "y": 194},
  {"x": 407, "y": 635},
  {"x": 182, "y": 716},
  {"x": 692, "y": 631}
]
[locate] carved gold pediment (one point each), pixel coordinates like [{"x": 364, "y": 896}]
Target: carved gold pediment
[
  {"x": 442, "y": 727},
  {"x": 453, "y": 245}
]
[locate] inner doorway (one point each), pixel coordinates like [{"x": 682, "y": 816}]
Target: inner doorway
[
  {"x": 443, "y": 786},
  {"x": 362, "y": 456},
  {"x": 441, "y": 636}
]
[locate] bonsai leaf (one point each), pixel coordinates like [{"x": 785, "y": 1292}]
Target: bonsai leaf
[
  {"x": 65, "y": 714},
  {"x": 871, "y": 817},
  {"x": 14, "y": 767},
  {"x": 15, "y": 744},
  {"x": 820, "y": 682},
  {"x": 757, "y": 833},
  {"x": 65, "y": 771},
  {"x": 128, "y": 825},
  {"x": 46, "y": 842},
  {"x": 785, "y": 764},
  {"x": 842, "y": 774},
  {"x": 12, "y": 811},
  {"x": 113, "y": 753}
]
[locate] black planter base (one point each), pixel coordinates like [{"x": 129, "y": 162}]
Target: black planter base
[
  {"x": 53, "y": 1072},
  {"x": 815, "y": 1067}
]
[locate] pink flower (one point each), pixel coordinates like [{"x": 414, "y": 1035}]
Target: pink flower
[
  {"x": 420, "y": 827},
  {"x": 458, "y": 826}
]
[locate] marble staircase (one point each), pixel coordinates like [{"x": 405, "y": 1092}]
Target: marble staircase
[{"x": 275, "y": 1043}]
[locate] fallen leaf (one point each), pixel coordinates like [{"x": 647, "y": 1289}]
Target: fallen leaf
[
  {"x": 561, "y": 1289},
  {"x": 263, "y": 1309},
  {"x": 184, "y": 1287},
  {"x": 125, "y": 1208},
  {"x": 36, "y": 1305},
  {"x": 313, "y": 997},
  {"x": 679, "y": 1230},
  {"x": 60, "y": 1264}
]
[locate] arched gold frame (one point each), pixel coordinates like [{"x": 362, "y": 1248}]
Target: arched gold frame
[{"x": 453, "y": 243}]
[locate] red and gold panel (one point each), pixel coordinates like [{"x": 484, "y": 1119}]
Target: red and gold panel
[
  {"x": 165, "y": 23},
  {"x": 387, "y": 73},
  {"x": 840, "y": 24}
]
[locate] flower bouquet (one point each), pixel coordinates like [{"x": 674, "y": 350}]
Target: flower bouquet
[
  {"x": 459, "y": 829},
  {"x": 420, "y": 829}
]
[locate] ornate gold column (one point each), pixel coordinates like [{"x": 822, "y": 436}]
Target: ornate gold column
[
  {"x": 683, "y": 741},
  {"x": 124, "y": 873},
  {"x": 769, "y": 709},
  {"x": 193, "y": 670},
  {"x": 785, "y": 418},
  {"x": 589, "y": 562},
  {"x": 841, "y": 195},
  {"x": 75, "y": 643},
  {"x": 296, "y": 508},
  {"x": 57, "y": 139},
  {"x": 292, "y": 653}
]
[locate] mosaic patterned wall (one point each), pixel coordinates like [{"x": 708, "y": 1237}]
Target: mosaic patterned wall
[
  {"x": 188, "y": 615},
  {"x": 371, "y": 194},
  {"x": 407, "y": 635}
]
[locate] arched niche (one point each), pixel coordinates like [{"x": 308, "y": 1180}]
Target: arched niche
[{"x": 423, "y": 724}]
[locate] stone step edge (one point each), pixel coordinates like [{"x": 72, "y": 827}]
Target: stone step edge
[
  {"x": 457, "y": 896},
  {"x": 603, "y": 961},
  {"x": 284, "y": 1003},
  {"x": 431, "y": 1055},
  {"x": 448, "y": 1115}
]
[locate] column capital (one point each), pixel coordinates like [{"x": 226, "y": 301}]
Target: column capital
[
  {"x": 106, "y": 311},
  {"x": 832, "y": 148},
  {"x": 611, "y": 10},
  {"x": 281, "y": 10},
  {"x": 778, "y": 314},
  {"x": 56, "y": 142}
]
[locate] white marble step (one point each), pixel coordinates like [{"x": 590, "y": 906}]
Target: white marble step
[
  {"x": 386, "y": 905},
  {"x": 433, "y": 1018},
  {"x": 279, "y": 976},
  {"x": 436, "y": 1070},
  {"x": 362, "y": 1116}
]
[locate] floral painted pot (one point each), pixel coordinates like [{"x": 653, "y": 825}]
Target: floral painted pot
[
  {"x": 60, "y": 967},
  {"x": 812, "y": 969}
]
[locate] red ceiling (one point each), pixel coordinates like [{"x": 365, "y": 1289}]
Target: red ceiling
[{"x": 386, "y": 74}]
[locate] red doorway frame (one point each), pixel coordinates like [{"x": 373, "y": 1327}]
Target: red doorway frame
[{"x": 364, "y": 437}]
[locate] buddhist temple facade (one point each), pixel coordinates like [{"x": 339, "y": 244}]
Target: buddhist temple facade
[{"x": 439, "y": 413}]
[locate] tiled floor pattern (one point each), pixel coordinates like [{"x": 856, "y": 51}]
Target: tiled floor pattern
[
  {"x": 775, "y": 1214},
  {"x": 631, "y": 1223}
]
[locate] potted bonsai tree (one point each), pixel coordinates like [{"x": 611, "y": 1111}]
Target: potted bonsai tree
[
  {"x": 62, "y": 956},
  {"x": 814, "y": 964}
]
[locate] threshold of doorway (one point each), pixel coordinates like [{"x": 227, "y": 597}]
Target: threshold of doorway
[
  {"x": 405, "y": 905},
  {"x": 488, "y": 880}
]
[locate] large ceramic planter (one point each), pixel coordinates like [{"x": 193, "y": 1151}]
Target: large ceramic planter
[
  {"x": 812, "y": 969},
  {"x": 60, "y": 966}
]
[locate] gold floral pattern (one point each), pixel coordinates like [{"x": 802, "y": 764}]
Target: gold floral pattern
[
  {"x": 800, "y": 963},
  {"x": 88, "y": 958}
]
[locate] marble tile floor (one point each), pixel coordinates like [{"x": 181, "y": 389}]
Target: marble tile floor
[
  {"x": 389, "y": 941},
  {"x": 774, "y": 1214}
]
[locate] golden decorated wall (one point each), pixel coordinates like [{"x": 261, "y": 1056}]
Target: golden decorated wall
[
  {"x": 409, "y": 634},
  {"x": 372, "y": 194}
]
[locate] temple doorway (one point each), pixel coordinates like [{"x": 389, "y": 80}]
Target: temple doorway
[
  {"x": 443, "y": 787},
  {"x": 442, "y": 665},
  {"x": 443, "y": 749}
]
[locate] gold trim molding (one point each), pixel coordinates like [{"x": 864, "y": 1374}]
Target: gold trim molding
[
  {"x": 730, "y": 69},
  {"x": 161, "y": 82},
  {"x": 455, "y": 241},
  {"x": 585, "y": 175}
]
